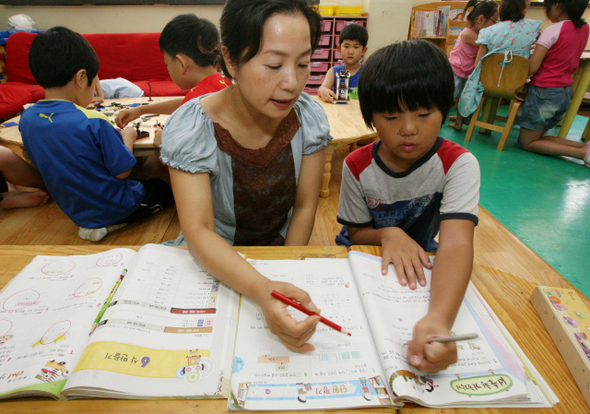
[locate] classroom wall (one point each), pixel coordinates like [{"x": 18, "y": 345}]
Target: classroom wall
[
  {"x": 108, "y": 19},
  {"x": 388, "y": 19}
]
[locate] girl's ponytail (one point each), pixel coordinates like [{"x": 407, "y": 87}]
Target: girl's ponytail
[
  {"x": 486, "y": 7},
  {"x": 575, "y": 9}
]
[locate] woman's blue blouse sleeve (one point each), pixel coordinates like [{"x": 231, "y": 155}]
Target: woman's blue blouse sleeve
[
  {"x": 188, "y": 140},
  {"x": 314, "y": 124}
]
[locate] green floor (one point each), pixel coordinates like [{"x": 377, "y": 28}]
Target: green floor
[{"x": 544, "y": 201}]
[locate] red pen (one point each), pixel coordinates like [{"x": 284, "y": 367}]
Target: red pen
[{"x": 298, "y": 306}]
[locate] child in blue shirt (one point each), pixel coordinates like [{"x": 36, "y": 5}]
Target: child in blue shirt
[
  {"x": 352, "y": 47},
  {"x": 84, "y": 161}
]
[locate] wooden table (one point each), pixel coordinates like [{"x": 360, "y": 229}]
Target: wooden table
[
  {"x": 580, "y": 86},
  {"x": 347, "y": 127},
  {"x": 506, "y": 293},
  {"x": 10, "y": 135}
]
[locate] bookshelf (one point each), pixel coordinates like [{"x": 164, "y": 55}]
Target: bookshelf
[
  {"x": 327, "y": 55},
  {"x": 454, "y": 23}
]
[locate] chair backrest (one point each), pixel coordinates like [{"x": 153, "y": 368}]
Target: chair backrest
[{"x": 501, "y": 75}]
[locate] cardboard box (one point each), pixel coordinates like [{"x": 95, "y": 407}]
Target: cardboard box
[{"x": 567, "y": 319}]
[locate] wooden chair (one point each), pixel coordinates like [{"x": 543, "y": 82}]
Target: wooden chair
[{"x": 501, "y": 75}]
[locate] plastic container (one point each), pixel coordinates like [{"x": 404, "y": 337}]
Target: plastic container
[
  {"x": 321, "y": 54},
  {"x": 341, "y": 24},
  {"x": 325, "y": 40},
  {"x": 310, "y": 91},
  {"x": 348, "y": 10},
  {"x": 324, "y": 10},
  {"x": 327, "y": 25},
  {"x": 319, "y": 66},
  {"x": 316, "y": 79}
]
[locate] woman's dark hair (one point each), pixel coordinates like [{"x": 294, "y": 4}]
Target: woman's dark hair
[
  {"x": 486, "y": 8},
  {"x": 192, "y": 36},
  {"x": 57, "y": 54},
  {"x": 512, "y": 10},
  {"x": 574, "y": 9},
  {"x": 406, "y": 76},
  {"x": 242, "y": 22}
]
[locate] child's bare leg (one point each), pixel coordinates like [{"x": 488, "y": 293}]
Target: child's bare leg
[
  {"x": 17, "y": 171},
  {"x": 536, "y": 141},
  {"x": 459, "y": 121},
  {"x": 17, "y": 199}
]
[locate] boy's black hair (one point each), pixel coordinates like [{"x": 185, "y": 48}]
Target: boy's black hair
[
  {"x": 406, "y": 76},
  {"x": 487, "y": 8},
  {"x": 242, "y": 22},
  {"x": 192, "y": 36},
  {"x": 57, "y": 54},
  {"x": 512, "y": 10},
  {"x": 355, "y": 32},
  {"x": 574, "y": 9}
]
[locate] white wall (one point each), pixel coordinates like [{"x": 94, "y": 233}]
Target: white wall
[
  {"x": 388, "y": 19},
  {"x": 108, "y": 19}
]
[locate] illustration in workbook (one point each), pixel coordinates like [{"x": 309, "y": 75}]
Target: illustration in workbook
[{"x": 44, "y": 317}]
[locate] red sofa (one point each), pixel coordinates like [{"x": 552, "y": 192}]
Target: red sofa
[{"x": 133, "y": 56}]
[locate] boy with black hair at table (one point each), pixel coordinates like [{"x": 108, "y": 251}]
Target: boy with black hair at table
[
  {"x": 401, "y": 190},
  {"x": 191, "y": 53},
  {"x": 352, "y": 48},
  {"x": 84, "y": 161}
]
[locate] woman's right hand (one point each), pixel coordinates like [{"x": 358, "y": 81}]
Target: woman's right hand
[{"x": 292, "y": 333}]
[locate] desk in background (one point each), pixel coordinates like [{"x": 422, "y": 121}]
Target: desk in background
[
  {"x": 10, "y": 136},
  {"x": 580, "y": 86},
  {"x": 347, "y": 127},
  {"x": 508, "y": 295}
]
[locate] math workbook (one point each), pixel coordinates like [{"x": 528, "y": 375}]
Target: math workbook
[
  {"x": 370, "y": 368},
  {"x": 161, "y": 327}
]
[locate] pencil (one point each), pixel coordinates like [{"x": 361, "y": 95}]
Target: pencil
[
  {"x": 108, "y": 301},
  {"x": 463, "y": 337},
  {"x": 298, "y": 306}
]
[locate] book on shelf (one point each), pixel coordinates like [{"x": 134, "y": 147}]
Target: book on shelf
[
  {"x": 170, "y": 330},
  {"x": 431, "y": 23}
]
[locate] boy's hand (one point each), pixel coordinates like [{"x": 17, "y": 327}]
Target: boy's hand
[
  {"x": 407, "y": 256},
  {"x": 292, "y": 333},
  {"x": 125, "y": 116},
  {"x": 430, "y": 357},
  {"x": 129, "y": 135},
  {"x": 326, "y": 94}
]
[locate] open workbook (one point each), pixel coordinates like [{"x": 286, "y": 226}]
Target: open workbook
[
  {"x": 169, "y": 330},
  {"x": 370, "y": 368}
]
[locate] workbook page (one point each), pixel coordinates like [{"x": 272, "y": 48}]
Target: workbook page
[
  {"x": 46, "y": 312},
  {"x": 343, "y": 371},
  {"x": 168, "y": 333},
  {"x": 487, "y": 372}
]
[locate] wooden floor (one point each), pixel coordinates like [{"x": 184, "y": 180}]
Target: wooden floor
[{"x": 495, "y": 246}]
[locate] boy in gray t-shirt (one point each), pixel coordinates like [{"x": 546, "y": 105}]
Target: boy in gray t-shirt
[{"x": 403, "y": 190}]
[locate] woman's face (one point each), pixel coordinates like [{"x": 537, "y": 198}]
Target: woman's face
[{"x": 270, "y": 83}]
